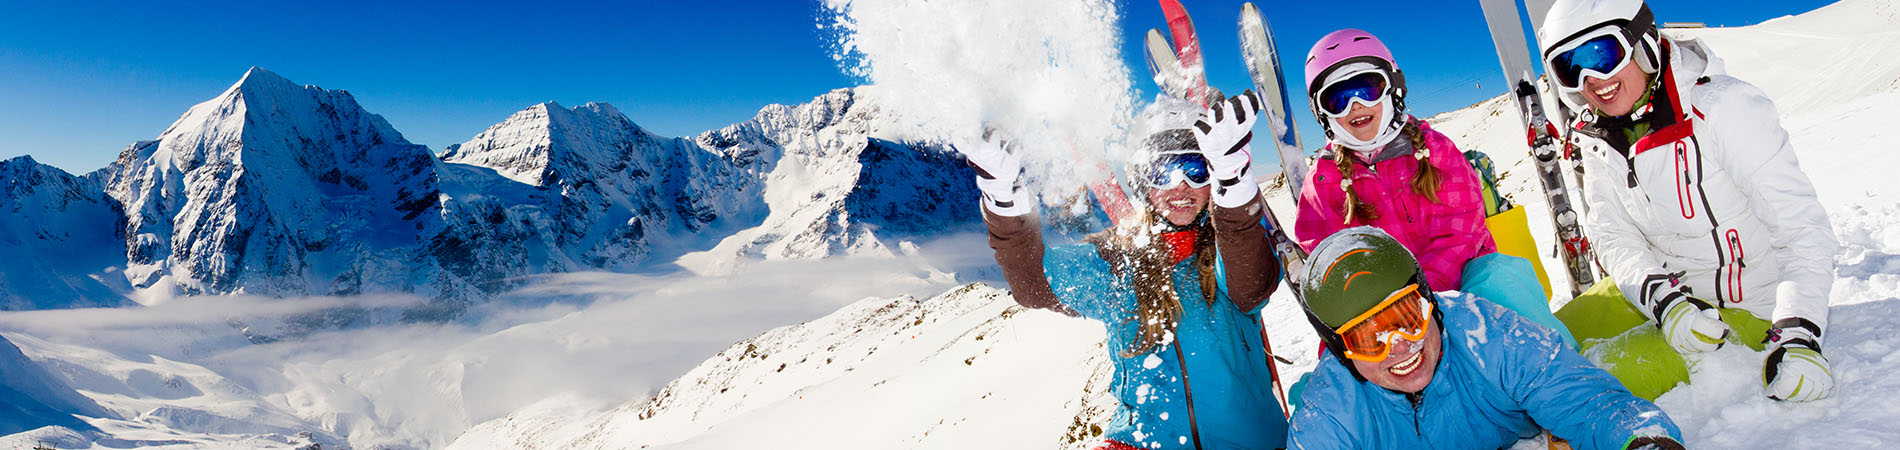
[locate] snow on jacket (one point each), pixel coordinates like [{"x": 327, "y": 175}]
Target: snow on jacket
[
  {"x": 1218, "y": 345},
  {"x": 1714, "y": 193},
  {"x": 1500, "y": 379},
  {"x": 1444, "y": 234}
]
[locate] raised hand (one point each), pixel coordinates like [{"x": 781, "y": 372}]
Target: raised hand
[
  {"x": 1223, "y": 133},
  {"x": 999, "y": 174}
]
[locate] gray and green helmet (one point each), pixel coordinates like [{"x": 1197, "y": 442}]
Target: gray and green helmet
[{"x": 1349, "y": 273}]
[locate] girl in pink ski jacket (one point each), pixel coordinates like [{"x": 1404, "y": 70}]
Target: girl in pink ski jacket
[
  {"x": 1426, "y": 198},
  {"x": 1384, "y": 168}
]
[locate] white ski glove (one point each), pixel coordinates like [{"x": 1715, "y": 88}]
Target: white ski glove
[
  {"x": 1795, "y": 369},
  {"x": 999, "y": 175},
  {"x": 1223, "y": 133},
  {"x": 1692, "y": 325}
]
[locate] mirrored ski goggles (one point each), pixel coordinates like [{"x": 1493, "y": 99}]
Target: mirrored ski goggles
[
  {"x": 1404, "y": 314},
  {"x": 1367, "y": 87},
  {"x": 1601, "y": 56},
  {"x": 1171, "y": 168}
]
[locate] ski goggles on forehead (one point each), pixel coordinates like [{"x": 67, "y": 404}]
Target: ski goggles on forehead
[
  {"x": 1403, "y": 315},
  {"x": 1169, "y": 169},
  {"x": 1367, "y": 87},
  {"x": 1599, "y": 55}
]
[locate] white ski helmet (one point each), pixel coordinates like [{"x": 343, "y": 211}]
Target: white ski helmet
[{"x": 1569, "y": 20}]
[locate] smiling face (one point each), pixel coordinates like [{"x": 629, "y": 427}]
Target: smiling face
[
  {"x": 1617, "y": 95},
  {"x": 1180, "y": 204},
  {"x": 1410, "y": 366},
  {"x": 1362, "y": 121}
]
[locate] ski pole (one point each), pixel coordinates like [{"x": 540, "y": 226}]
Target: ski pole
[{"x": 1273, "y": 368}]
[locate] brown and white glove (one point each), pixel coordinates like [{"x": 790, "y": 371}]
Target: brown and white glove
[
  {"x": 1223, "y": 133},
  {"x": 999, "y": 174}
]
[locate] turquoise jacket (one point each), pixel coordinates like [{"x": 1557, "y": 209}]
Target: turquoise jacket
[{"x": 1219, "y": 345}]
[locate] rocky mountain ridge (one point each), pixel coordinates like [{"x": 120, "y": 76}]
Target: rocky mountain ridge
[{"x": 279, "y": 189}]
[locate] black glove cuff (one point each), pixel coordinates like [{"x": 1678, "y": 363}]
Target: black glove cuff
[
  {"x": 1660, "y": 291},
  {"x": 1776, "y": 337},
  {"x": 1792, "y": 322},
  {"x": 1670, "y": 299}
]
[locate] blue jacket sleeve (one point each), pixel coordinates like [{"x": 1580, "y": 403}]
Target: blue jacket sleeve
[
  {"x": 1072, "y": 279},
  {"x": 1564, "y": 392},
  {"x": 1082, "y": 280}
]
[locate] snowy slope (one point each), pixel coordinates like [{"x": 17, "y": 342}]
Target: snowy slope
[
  {"x": 60, "y": 235},
  {"x": 152, "y": 400},
  {"x": 32, "y": 398},
  {"x": 897, "y": 359},
  {"x": 1814, "y": 61}
]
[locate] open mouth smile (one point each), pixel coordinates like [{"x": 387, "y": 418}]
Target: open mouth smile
[
  {"x": 1409, "y": 365},
  {"x": 1608, "y": 92}
]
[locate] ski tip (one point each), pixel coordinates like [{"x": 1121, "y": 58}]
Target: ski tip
[{"x": 1250, "y": 21}]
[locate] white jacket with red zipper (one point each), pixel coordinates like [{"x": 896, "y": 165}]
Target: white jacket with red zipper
[{"x": 1715, "y": 195}]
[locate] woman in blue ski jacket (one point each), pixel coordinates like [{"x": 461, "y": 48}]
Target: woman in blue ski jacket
[
  {"x": 1410, "y": 368},
  {"x": 1182, "y": 323}
]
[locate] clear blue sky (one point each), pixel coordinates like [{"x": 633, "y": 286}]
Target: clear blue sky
[{"x": 79, "y": 81}]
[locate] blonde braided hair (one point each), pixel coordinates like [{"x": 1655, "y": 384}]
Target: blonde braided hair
[{"x": 1426, "y": 184}]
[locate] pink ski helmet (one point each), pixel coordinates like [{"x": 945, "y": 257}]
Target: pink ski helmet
[{"x": 1344, "y": 47}]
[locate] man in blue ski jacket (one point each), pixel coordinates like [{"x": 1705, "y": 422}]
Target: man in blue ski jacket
[{"x": 1411, "y": 369}]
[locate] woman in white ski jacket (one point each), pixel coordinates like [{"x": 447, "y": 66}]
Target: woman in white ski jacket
[{"x": 1697, "y": 206}]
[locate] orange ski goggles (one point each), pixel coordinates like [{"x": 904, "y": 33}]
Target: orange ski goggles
[{"x": 1404, "y": 314}]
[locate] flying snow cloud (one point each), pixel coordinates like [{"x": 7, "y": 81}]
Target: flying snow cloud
[{"x": 1047, "y": 73}]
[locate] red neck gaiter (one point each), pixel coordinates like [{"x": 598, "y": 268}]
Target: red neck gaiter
[{"x": 1180, "y": 244}]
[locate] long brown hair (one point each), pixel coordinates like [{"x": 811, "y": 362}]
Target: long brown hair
[
  {"x": 1137, "y": 252},
  {"x": 1426, "y": 184}
]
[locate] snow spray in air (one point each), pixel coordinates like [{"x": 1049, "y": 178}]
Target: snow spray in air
[{"x": 1049, "y": 73}]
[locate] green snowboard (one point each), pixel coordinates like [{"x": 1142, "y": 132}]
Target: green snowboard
[{"x": 1623, "y": 341}]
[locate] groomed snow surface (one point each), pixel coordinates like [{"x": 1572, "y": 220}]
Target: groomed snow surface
[{"x": 899, "y": 351}]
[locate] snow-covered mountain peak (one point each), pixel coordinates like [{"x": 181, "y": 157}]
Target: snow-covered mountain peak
[
  {"x": 545, "y": 143},
  {"x": 600, "y": 108},
  {"x": 834, "y": 187},
  {"x": 278, "y": 188},
  {"x": 24, "y": 183},
  {"x": 16, "y": 162},
  {"x": 242, "y": 188},
  {"x": 16, "y": 176},
  {"x": 258, "y": 80}
]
